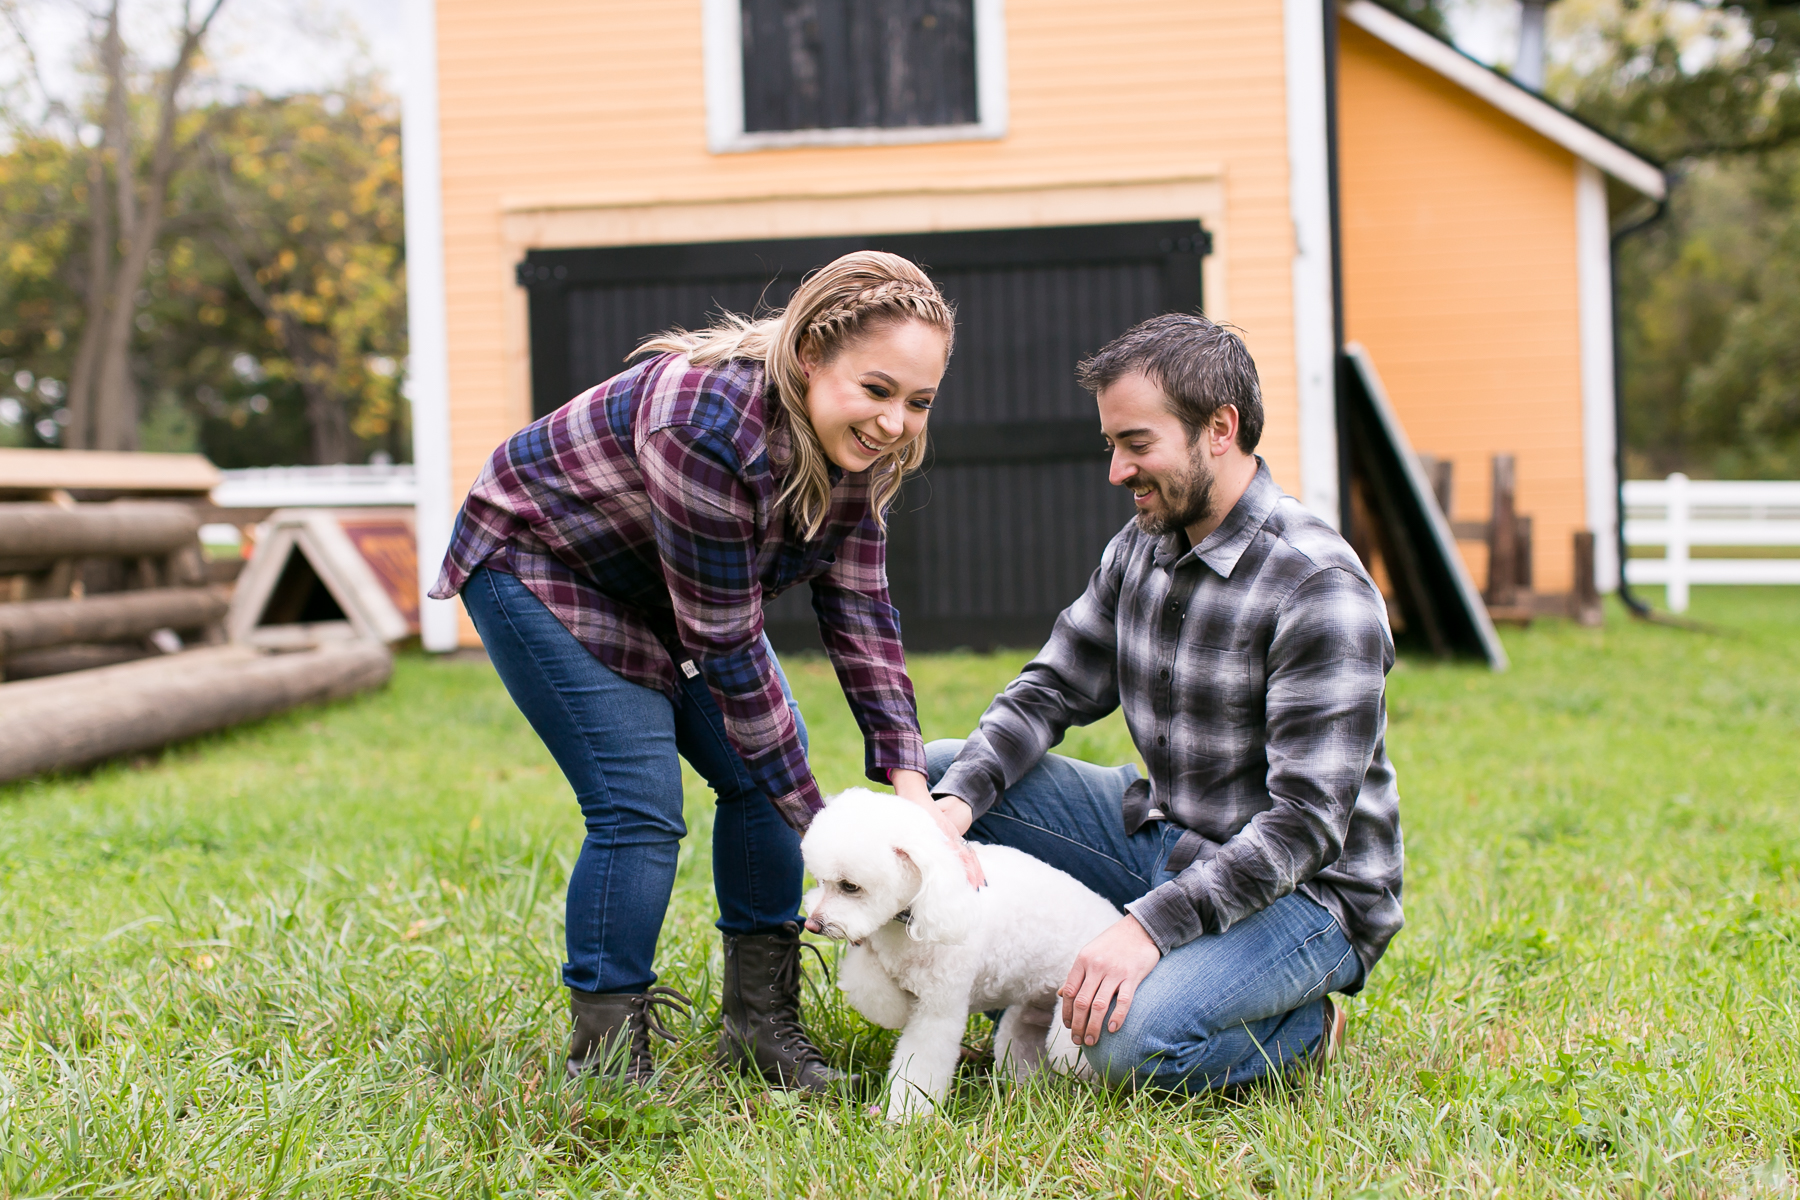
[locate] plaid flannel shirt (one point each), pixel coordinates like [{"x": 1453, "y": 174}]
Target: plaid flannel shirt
[
  {"x": 644, "y": 514},
  {"x": 1251, "y": 669}
]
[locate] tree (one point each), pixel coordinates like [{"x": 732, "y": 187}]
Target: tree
[
  {"x": 1711, "y": 326},
  {"x": 267, "y": 322},
  {"x": 309, "y": 191},
  {"x": 129, "y": 173}
]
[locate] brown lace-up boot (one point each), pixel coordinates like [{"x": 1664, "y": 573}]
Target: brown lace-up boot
[
  {"x": 761, "y": 1010},
  {"x": 612, "y": 1031}
]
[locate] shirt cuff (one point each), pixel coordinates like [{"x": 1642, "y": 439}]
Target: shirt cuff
[
  {"x": 1168, "y": 915},
  {"x": 971, "y": 784},
  {"x": 800, "y": 806},
  {"x": 893, "y": 750}
]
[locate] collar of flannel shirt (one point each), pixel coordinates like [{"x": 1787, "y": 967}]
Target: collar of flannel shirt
[{"x": 1223, "y": 547}]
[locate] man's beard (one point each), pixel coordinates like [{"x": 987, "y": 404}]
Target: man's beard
[{"x": 1187, "y": 500}]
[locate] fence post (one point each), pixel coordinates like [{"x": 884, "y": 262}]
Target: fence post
[
  {"x": 1503, "y": 538},
  {"x": 1677, "y": 550}
]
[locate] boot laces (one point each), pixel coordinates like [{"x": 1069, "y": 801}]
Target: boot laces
[
  {"x": 789, "y": 977},
  {"x": 657, "y": 998}
]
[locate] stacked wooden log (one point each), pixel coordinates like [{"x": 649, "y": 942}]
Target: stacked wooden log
[{"x": 111, "y": 639}]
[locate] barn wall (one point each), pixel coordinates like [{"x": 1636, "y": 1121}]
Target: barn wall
[
  {"x": 1460, "y": 276},
  {"x": 566, "y": 122}
]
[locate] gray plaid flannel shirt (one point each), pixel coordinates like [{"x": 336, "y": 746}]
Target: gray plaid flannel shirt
[{"x": 1251, "y": 669}]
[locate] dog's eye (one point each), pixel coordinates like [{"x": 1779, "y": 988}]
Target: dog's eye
[{"x": 848, "y": 888}]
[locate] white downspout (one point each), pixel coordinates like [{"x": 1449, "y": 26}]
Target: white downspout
[
  {"x": 428, "y": 365},
  {"x": 1309, "y": 201}
]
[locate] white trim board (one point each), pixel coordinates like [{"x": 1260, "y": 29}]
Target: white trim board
[
  {"x": 427, "y": 322},
  {"x": 1309, "y": 205},
  {"x": 1599, "y": 418},
  {"x": 1520, "y": 103},
  {"x": 722, "y": 26}
]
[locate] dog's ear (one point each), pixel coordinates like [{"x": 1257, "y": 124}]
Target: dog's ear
[{"x": 943, "y": 910}]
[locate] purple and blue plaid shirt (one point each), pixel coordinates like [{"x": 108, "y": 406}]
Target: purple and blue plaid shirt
[{"x": 644, "y": 514}]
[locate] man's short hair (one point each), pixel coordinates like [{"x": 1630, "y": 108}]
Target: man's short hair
[{"x": 1199, "y": 365}]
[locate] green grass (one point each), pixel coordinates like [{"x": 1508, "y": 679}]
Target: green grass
[{"x": 318, "y": 956}]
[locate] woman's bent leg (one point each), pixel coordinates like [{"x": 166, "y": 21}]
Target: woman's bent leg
[
  {"x": 615, "y": 741},
  {"x": 757, "y": 871}
]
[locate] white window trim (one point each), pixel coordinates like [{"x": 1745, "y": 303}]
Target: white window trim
[{"x": 724, "y": 65}]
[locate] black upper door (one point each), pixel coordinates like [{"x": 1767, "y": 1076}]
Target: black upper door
[{"x": 1007, "y": 521}]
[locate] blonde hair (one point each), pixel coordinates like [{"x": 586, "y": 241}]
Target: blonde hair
[{"x": 834, "y": 305}]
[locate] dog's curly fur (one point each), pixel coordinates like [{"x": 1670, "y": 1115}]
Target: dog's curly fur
[{"x": 926, "y": 949}]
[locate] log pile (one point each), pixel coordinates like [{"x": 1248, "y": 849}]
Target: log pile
[{"x": 111, "y": 639}]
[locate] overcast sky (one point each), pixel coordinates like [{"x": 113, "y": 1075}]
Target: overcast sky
[{"x": 275, "y": 46}]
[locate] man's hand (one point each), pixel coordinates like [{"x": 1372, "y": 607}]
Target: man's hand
[
  {"x": 952, "y": 817},
  {"x": 1112, "y": 964}
]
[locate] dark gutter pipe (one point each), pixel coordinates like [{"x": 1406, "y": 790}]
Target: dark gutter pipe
[
  {"x": 1636, "y": 606},
  {"x": 1339, "y": 364}
]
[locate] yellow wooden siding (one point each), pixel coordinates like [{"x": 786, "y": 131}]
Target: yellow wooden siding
[
  {"x": 558, "y": 105},
  {"x": 1459, "y": 260}
]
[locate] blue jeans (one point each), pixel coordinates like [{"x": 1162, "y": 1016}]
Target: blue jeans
[
  {"x": 1223, "y": 1010},
  {"x": 618, "y": 742}
]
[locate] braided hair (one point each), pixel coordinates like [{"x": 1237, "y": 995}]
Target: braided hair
[{"x": 846, "y": 299}]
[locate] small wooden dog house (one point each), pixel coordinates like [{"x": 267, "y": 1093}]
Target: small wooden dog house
[
  {"x": 323, "y": 575},
  {"x": 1315, "y": 174}
]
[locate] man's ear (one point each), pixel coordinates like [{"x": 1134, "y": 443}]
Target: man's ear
[{"x": 1222, "y": 429}]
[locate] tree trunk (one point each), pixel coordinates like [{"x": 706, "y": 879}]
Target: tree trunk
[
  {"x": 111, "y": 391},
  {"x": 83, "y": 382},
  {"x": 329, "y": 422}
]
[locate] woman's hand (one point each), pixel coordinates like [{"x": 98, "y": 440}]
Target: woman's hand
[{"x": 952, "y": 816}]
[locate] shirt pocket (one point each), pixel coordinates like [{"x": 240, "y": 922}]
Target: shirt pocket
[{"x": 1222, "y": 707}]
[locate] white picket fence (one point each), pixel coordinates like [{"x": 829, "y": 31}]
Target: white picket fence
[{"x": 1679, "y": 513}]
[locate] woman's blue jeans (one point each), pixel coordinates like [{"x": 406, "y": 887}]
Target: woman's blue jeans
[
  {"x": 618, "y": 742},
  {"x": 1223, "y": 1010}
]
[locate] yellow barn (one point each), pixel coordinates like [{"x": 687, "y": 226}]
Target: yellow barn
[{"x": 580, "y": 174}]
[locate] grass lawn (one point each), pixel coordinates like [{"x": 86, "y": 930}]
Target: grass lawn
[{"x": 318, "y": 956}]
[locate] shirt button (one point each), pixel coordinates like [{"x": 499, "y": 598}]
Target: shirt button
[
  {"x": 1165, "y": 672},
  {"x": 1162, "y": 741}
]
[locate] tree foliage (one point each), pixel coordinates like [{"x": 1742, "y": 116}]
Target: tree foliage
[
  {"x": 257, "y": 309},
  {"x": 269, "y": 326},
  {"x": 1712, "y": 325},
  {"x": 1711, "y": 309}
]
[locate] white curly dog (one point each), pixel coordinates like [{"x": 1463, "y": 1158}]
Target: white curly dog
[{"x": 927, "y": 949}]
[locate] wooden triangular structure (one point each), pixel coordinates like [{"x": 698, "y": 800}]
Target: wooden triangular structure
[
  {"x": 1432, "y": 584},
  {"x": 321, "y": 575}
]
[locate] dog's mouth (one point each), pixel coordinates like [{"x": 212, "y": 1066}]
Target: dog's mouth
[{"x": 825, "y": 928}]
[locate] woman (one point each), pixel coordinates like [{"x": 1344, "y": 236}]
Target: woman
[{"x": 616, "y": 556}]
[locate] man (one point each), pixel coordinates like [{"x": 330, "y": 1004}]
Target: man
[{"x": 1260, "y": 861}]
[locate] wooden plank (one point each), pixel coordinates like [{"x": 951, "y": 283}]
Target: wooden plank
[
  {"x": 106, "y": 470},
  {"x": 37, "y": 624},
  {"x": 125, "y": 529},
  {"x": 74, "y": 720}
]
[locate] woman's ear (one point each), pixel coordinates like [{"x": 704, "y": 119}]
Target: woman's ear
[
  {"x": 943, "y": 909},
  {"x": 809, "y": 356}
]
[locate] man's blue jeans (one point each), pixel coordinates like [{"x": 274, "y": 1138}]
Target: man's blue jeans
[
  {"x": 618, "y": 742},
  {"x": 1223, "y": 1010}
]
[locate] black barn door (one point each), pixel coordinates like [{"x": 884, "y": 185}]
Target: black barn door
[{"x": 1007, "y": 521}]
